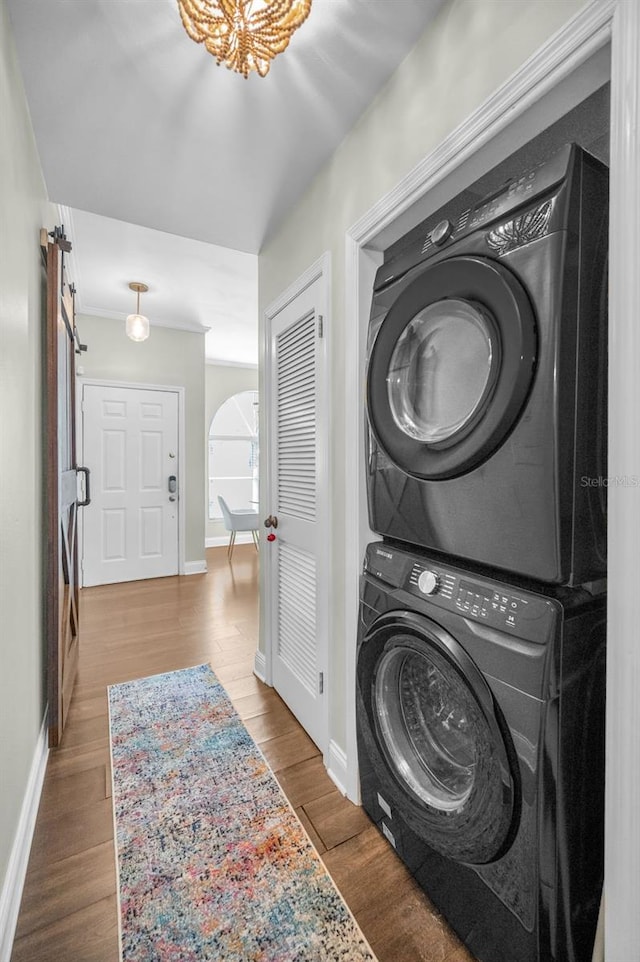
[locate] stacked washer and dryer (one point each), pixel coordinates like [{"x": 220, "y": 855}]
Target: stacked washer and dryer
[{"x": 481, "y": 648}]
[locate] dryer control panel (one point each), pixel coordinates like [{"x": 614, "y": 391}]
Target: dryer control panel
[
  {"x": 452, "y": 222},
  {"x": 504, "y": 607}
]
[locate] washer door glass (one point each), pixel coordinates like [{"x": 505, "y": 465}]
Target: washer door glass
[
  {"x": 426, "y": 719},
  {"x": 442, "y": 371},
  {"x": 435, "y": 738}
]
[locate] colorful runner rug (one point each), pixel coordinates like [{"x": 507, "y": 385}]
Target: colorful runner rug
[{"x": 213, "y": 863}]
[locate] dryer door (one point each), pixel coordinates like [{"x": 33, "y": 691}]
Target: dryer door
[
  {"x": 435, "y": 738},
  {"x": 451, "y": 367}
]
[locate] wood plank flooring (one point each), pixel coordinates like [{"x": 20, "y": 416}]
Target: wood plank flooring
[{"x": 69, "y": 907}]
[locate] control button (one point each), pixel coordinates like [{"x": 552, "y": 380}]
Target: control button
[
  {"x": 441, "y": 232},
  {"x": 428, "y": 583}
]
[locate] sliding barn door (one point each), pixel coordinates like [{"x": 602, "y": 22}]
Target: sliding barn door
[
  {"x": 297, "y": 558},
  {"x": 62, "y": 594}
]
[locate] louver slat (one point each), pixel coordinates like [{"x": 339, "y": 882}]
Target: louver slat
[
  {"x": 296, "y": 420},
  {"x": 297, "y": 614},
  {"x": 293, "y": 380}
]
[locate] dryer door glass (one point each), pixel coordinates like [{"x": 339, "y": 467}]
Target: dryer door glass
[
  {"x": 442, "y": 371},
  {"x": 427, "y": 720},
  {"x": 450, "y": 366}
]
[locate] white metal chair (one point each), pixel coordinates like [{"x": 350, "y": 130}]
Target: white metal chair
[{"x": 242, "y": 519}]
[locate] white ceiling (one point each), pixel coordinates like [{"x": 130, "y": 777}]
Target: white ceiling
[
  {"x": 137, "y": 124},
  {"x": 192, "y": 285}
]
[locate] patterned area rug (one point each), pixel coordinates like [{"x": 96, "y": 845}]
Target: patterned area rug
[{"x": 213, "y": 862}]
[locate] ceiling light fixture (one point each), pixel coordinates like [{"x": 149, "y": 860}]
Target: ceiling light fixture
[
  {"x": 245, "y": 35},
  {"x": 137, "y": 326}
]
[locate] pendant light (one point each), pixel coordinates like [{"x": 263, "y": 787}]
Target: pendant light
[{"x": 137, "y": 326}]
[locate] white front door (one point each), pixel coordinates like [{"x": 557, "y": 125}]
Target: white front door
[
  {"x": 130, "y": 445},
  {"x": 297, "y": 576}
]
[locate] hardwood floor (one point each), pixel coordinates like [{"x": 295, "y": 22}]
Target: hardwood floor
[{"x": 69, "y": 906}]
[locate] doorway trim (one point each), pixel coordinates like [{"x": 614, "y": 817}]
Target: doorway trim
[
  {"x": 135, "y": 385},
  {"x": 597, "y": 24}
]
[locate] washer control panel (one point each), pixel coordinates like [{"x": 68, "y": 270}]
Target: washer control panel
[
  {"x": 489, "y": 606},
  {"x": 501, "y": 608},
  {"x": 518, "y": 612}
]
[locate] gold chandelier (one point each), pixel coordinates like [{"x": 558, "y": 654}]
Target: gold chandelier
[{"x": 245, "y": 35}]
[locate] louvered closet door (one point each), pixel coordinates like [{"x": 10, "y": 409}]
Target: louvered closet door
[{"x": 297, "y": 556}]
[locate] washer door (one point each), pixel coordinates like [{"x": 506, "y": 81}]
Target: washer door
[
  {"x": 435, "y": 738},
  {"x": 451, "y": 367}
]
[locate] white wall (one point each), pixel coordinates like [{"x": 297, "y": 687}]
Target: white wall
[
  {"x": 24, "y": 209},
  {"x": 470, "y": 48},
  {"x": 221, "y": 381},
  {"x": 169, "y": 357}
]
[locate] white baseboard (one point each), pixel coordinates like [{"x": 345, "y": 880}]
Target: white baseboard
[
  {"x": 195, "y": 568},
  {"x": 260, "y": 666},
  {"x": 336, "y": 765},
  {"x": 13, "y": 884},
  {"x": 242, "y": 537}
]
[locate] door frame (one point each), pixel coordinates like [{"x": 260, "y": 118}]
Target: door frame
[
  {"x": 588, "y": 34},
  {"x": 263, "y": 664},
  {"x": 135, "y": 385}
]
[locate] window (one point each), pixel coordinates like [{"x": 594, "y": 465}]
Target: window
[{"x": 233, "y": 454}]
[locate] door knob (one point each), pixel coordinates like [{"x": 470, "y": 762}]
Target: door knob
[{"x": 271, "y": 522}]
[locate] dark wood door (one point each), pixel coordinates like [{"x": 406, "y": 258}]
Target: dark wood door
[{"x": 62, "y": 588}]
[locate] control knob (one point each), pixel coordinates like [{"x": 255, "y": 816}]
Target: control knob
[
  {"x": 441, "y": 232},
  {"x": 428, "y": 582}
]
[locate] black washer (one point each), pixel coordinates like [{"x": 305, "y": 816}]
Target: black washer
[{"x": 480, "y": 730}]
